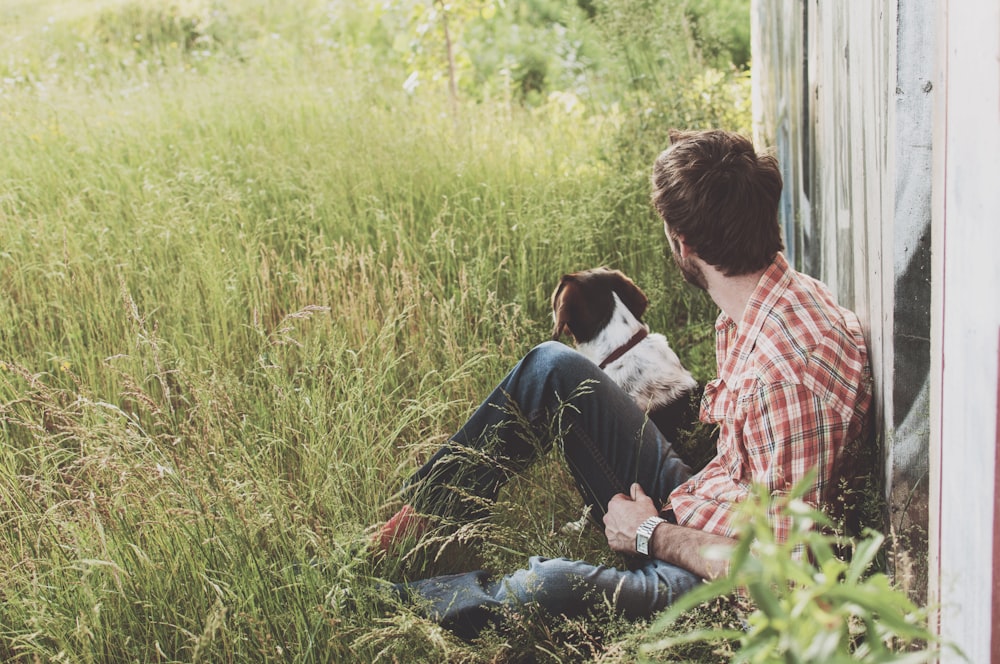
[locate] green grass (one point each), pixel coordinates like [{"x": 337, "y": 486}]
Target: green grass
[{"x": 247, "y": 284}]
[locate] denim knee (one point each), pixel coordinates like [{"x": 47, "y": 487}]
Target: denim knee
[
  {"x": 552, "y": 354},
  {"x": 563, "y": 367}
]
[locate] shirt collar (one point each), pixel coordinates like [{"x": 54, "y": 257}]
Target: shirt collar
[{"x": 769, "y": 290}]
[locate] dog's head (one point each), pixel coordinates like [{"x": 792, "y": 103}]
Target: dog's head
[{"x": 582, "y": 303}]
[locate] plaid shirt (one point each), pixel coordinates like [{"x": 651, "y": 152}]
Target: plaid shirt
[{"x": 794, "y": 387}]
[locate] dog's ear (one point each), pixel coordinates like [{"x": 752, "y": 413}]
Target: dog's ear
[
  {"x": 560, "y": 309},
  {"x": 581, "y": 305},
  {"x": 630, "y": 294}
]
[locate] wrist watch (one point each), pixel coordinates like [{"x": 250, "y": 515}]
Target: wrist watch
[{"x": 645, "y": 533}]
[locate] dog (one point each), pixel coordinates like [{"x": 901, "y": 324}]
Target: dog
[{"x": 601, "y": 310}]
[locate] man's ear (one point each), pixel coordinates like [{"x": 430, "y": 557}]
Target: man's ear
[{"x": 683, "y": 249}]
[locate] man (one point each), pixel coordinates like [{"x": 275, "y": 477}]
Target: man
[{"x": 793, "y": 389}]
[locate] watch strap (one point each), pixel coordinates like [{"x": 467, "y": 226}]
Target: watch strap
[{"x": 644, "y": 534}]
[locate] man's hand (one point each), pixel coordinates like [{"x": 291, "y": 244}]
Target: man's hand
[
  {"x": 673, "y": 544},
  {"x": 625, "y": 515}
]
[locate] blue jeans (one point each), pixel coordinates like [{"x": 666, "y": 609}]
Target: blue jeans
[{"x": 553, "y": 395}]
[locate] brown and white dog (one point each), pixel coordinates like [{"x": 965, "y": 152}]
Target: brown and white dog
[{"x": 601, "y": 309}]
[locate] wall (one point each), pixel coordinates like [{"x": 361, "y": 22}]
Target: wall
[
  {"x": 886, "y": 116},
  {"x": 965, "y": 394},
  {"x": 842, "y": 92}
]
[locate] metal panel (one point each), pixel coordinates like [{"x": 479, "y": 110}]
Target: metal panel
[
  {"x": 846, "y": 110},
  {"x": 778, "y": 95},
  {"x": 966, "y": 326},
  {"x": 864, "y": 158},
  {"x": 910, "y": 252}
]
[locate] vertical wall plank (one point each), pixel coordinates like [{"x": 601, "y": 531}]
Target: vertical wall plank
[
  {"x": 965, "y": 279},
  {"x": 910, "y": 252}
]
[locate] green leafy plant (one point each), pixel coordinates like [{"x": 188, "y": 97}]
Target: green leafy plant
[{"x": 809, "y": 603}]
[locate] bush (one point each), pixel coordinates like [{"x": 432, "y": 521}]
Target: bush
[{"x": 808, "y": 604}]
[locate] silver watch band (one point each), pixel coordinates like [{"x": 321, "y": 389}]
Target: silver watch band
[{"x": 645, "y": 533}]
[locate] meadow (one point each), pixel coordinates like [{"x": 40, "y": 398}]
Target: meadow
[{"x": 253, "y": 271}]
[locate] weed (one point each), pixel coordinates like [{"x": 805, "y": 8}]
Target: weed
[{"x": 808, "y": 604}]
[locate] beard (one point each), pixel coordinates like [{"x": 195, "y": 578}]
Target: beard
[{"x": 691, "y": 272}]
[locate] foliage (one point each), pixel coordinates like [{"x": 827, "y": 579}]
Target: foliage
[
  {"x": 670, "y": 83},
  {"x": 721, "y": 30},
  {"x": 809, "y": 604},
  {"x": 524, "y": 50}
]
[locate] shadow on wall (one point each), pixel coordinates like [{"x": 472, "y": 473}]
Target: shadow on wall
[{"x": 909, "y": 454}]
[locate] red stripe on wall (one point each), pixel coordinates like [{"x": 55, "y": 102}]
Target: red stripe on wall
[{"x": 995, "y": 629}]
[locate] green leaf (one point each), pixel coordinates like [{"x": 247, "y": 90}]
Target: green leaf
[
  {"x": 697, "y": 636},
  {"x": 693, "y": 598},
  {"x": 864, "y": 554}
]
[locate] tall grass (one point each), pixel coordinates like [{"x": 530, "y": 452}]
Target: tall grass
[{"x": 248, "y": 284}]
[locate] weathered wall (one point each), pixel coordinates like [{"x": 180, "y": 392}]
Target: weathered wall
[
  {"x": 907, "y": 455},
  {"x": 965, "y": 386},
  {"x": 842, "y": 91},
  {"x": 886, "y": 115}
]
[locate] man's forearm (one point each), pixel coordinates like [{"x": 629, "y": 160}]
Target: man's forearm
[
  {"x": 677, "y": 545},
  {"x": 688, "y": 548}
]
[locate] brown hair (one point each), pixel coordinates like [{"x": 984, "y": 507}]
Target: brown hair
[{"x": 715, "y": 191}]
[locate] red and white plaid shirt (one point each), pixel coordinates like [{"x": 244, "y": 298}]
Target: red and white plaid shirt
[{"x": 794, "y": 388}]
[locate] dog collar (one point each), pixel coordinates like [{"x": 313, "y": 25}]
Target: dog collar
[{"x": 626, "y": 347}]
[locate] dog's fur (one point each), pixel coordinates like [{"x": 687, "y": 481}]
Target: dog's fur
[{"x": 601, "y": 309}]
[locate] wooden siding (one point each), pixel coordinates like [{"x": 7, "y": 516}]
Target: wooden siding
[
  {"x": 966, "y": 327},
  {"x": 886, "y": 117},
  {"x": 850, "y": 122}
]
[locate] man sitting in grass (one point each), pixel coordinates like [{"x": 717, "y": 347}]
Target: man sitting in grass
[{"x": 793, "y": 389}]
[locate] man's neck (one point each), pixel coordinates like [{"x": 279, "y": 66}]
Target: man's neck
[{"x": 732, "y": 294}]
